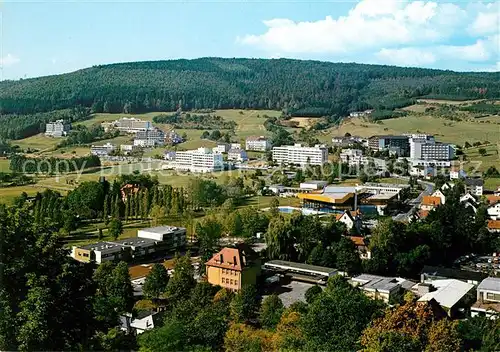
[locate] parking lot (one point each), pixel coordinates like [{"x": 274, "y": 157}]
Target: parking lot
[{"x": 290, "y": 292}]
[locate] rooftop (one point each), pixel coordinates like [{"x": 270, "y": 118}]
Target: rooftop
[
  {"x": 474, "y": 182},
  {"x": 430, "y": 200},
  {"x": 464, "y": 275},
  {"x": 448, "y": 292},
  {"x": 314, "y": 269},
  {"x": 235, "y": 258},
  {"x": 358, "y": 240},
  {"x": 256, "y": 138},
  {"x": 386, "y": 185},
  {"x": 315, "y": 182},
  {"x": 378, "y": 283},
  {"x": 135, "y": 241},
  {"x": 490, "y": 284},
  {"x": 162, "y": 229},
  {"x": 103, "y": 246},
  {"x": 494, "y": 224}
]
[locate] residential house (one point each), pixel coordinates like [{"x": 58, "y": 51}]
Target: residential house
[
  {"x": 497, "y": 192},
  {"x": 488, "y": 298},
  {"x": 380, "y": 287},
  {"x": 494, "y": 210},
  {"x": 447, "y": 186},
  {"x": 234, "y": 267},
  {"x": 257, "y": 143},
  {"x": 474, "y": 186},
  {"x": 451, "y": 294},
  {"x": 144, "y": 320},
  {"x": 239, "y": 155},
  {"x": 361, "y": 246},
  {"x": 457, "y": 173},
  {"x": 428, "y": 204},
  {"x": 438, "y": 193},
  {"x": 493, "y": 226},
  {"x": 469, "y": 201},
  {"x": 350, "y": 219}
]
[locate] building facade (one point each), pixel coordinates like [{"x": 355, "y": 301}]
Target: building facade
[
  {"x": 429, "y": 149},
  {"x": 398, "y": 144},
  {"x": 199, "y": 160},
  {"x": 488, "y": 298},
  {"x": 57, "y": 129},
  {"x": 150, "y": 138},
  {"x": 299, "y": 155},
  {"x": 351, "y": 156},
  {"x": 102, "y": 150},
  {"x": 257, "y": 143},
  {"x": 233, "y": 268},
  {"x": 237, "y": 155},
  {"x": 132, "y": 125}
]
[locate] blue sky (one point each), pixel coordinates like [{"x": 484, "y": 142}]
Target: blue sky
[{"x": 42, "y": 38}]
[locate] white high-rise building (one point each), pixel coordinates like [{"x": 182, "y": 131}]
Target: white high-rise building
[
  {"x": 199, "y": 160},
  {"x": 429, "y": 149},
  {"x": 57, "y": 128},
  {"x": 132, "y": 125},
  {"x": 257, "y": 143},
  {"x": 299, "y": 155},
  {"x": 149, "y": 138}
]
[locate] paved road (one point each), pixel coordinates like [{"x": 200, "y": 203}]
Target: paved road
[{"x": 429, "y": 189}]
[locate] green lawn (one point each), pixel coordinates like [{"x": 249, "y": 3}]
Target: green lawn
[
  {"x": 482, "y": 163},
  {"x": 8, "y": 194},
  {"x": 39, "y": 142},
  {"x": 4, "y": 165},
  {"x": 492, "y": 184}
]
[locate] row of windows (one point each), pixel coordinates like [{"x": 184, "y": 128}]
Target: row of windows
[
  {"x": 493, "y": 296},
  {"x": 228, "y": 272},
  {"x": 229, "y": 281}
]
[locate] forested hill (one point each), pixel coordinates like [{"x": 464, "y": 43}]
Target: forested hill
[{"x": 302, "y": 87}]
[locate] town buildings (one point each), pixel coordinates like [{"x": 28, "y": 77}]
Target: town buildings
[
  {"x": 380, "y": 287},
  {"x": 474, "y": 186},
  {"x": 57, "y": 129},
  {"x": 129, "y": 125},
  {"x": 148, "y": 242},
  {"x": 233, "y": 268},
  {"x": 351, "y": 156},
  {"x": 361, "y": 246},
  {"x": 351, "y": 219},
  {"x": 238, "y": 155},
  {"x": 494, "y": 210},
  {"x": 300, "y": 155},
  {"x": 173, "y": 138},
  {"x": 488, "y": 298},
  {"x": 428, "y": 149},
  {"x": 257, "y": 143},
  {"x": 397, "y": 144},
  {"x": 457, "y": 173},
  {"x": 102, "y": 150},
  {"x": 313, "y": 185},
  {"x": 150, "y": 138},
  {"x": 199, "y": 160},
  {"x": 221, "y": 148}
]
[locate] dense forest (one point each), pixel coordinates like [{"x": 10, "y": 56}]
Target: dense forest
[{"x": 310, "y": 88}]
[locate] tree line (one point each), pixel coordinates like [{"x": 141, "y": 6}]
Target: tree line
[
  {"x": 195, "y": 121},
  {"x": 22, "y": 164}
]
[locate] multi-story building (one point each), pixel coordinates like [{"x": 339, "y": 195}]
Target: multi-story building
[
  {"x": 221, "y": 148},
  {"x": 299, "y": 155},
  {"x": 199, "y": 160},
  {"x": 150, "y": 138},
  {"x": 488, "y": 298},
  {"x": 237, "y": 155},
  {"x": 233, "y": 268},
  {"x": 351, "y": 156},
  {"x": 397, "y": 144},
  {"x": 128, "y": 148},
  {"x": 57, "y": 129},
  {"x": 235, "y": 146},
  {"x": 102, "y": 150},
  {"x": 148, "y": 241},
  {"x": 257, "y": 143},
  {"x": 429, "y": 149},
  {"x": 474, "y": 186},
  {"x": 131, "y": 125}
]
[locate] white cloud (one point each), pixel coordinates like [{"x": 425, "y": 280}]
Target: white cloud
[
  {"x": 487, "y": 21},
  {"x": 370, "y": 24},
  {"x": 8, "y": 60},
  {"x": 406, "y": 56}
]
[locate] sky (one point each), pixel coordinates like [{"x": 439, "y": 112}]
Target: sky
[{"x": 47, "y": 37}]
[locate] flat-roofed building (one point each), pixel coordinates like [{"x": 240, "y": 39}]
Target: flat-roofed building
[
  {"x": 449, "y": 293},
  {"x": 381, "y": 287},
  {"x": 429, "y": 149},
  {"x": 172, "y": 236},
  {"x": 351, "y": 156},
  {"x": 100, "y": 252},
  {"x": 313, "y": 185},
  {"x": 301, "y": 271},
  {"x": 237, "y": 155},
  {"x": 400, "y": 144},
  {"x": 300, "y": 155},
  {"x": 257, "y": 143},
  {"x": 57, "y": 129},
  {"x": 199, "y": 160},
  {"x": 131, "y": 125},
  {"x": 330, "y": 199},
  {"x": 102, "y": 150},
  {"x": 234, "y": 267},
  {"x": 150, "y": 138}
]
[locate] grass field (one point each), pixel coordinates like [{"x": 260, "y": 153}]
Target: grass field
[
  {"x": 4, "y": 165},
  {"x": 39, "y": 142},
  {"x": 8, "y": 194},
  {"x": 444, "y": 130}
]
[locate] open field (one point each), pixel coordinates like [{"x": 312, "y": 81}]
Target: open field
[
  {"x": 492, "y": 183},
  {"x": 8, "y": 194},
  {"x": 38, "y": 141},
  {"x": 449, "y": 102},
  {"x": 444, "y": 130},
  {"x": 4, "y": 165}
]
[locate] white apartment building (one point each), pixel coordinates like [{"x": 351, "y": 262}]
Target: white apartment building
[
  {"x": 257, "y": 143},
  {"x": 299, "y": 155},
  {"x": 235, "y": 146},
  {"x": 237, "y": 155},
  {"x": 132, "y": 125},
  {"x": 57, "y": 129},
  {"x": 102, "y": 150},
  {"x": 199, "y": 160},
  {"x": 428, "y": 149},
  {"x": 149, "y": 138},
  {"x": 474, "y": 186},
  {"x": 351, "y": 156},
  {"x": 221, "y": 148}
]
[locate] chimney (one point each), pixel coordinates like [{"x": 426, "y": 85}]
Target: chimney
[
  {"x": 221, "y": 259},
  {"x": 234, "y": 261}
]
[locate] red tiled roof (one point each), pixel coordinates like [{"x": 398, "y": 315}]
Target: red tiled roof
[
  {"x": 232, "y": 258},
  {"x": 430, "y": 200},
  {"x": 358, "y": 241},
  {"x": 494, "y": 224},
  {"x": 423, "y": 214},
  {"x": 492, "y": 199}
]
